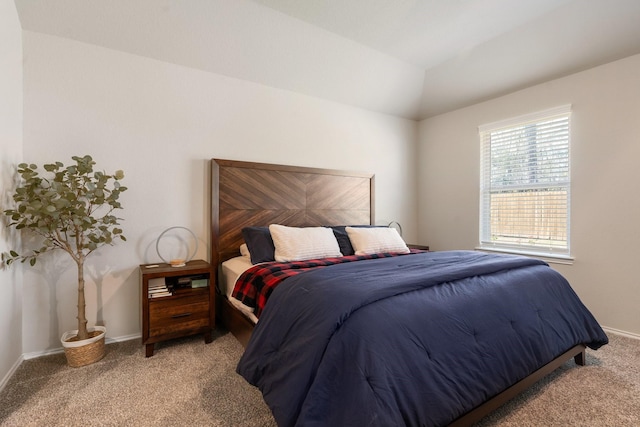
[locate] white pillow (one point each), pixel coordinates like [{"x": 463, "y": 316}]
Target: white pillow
[
  {"x": 244, "y": 250},
  {"x": 374, "y": 240},
  {"x": 302, "y": 243}
]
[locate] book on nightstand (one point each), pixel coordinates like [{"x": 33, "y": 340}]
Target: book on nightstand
[
  {"x": 158, "y": 288},
  {"x": 199, "y": 283}
]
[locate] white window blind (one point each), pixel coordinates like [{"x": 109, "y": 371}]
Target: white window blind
[{"x": 525, "y": 183}]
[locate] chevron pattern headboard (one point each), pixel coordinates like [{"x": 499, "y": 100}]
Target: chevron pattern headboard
[{"x": 258, "y": 194}]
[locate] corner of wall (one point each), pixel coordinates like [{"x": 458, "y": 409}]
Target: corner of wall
[{"x": 11, "y": 148}]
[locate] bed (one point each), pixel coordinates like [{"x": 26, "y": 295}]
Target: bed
[{"x": 418, "y": 338}]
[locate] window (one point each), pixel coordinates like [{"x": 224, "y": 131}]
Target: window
[{"x": 525, "y": 183}]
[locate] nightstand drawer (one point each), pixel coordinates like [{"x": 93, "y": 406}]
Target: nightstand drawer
[{"x": 172, "y": 315}]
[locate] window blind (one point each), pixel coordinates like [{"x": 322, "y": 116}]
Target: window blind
[{"x": 525, "y": 183}]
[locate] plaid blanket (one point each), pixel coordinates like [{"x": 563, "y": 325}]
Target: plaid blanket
[{"x": 254, "y": 286}]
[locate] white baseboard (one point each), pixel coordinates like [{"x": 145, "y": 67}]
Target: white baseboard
[
  {"x": 619, "y": 332},
  {"x": 123, "y": 338},
  {"x": 35, "y": 354},
  {"x": 107, "y": 340},
  {"x": 12, "y": 371}
]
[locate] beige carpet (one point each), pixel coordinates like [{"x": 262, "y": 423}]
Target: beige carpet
[
  {"x": 604, "y": 392},
  {"x": 188, "y": 383}
]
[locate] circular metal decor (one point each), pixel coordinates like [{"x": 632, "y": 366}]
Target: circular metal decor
[
  {"x": 396, "y": 225},
  {"x": 178, "y": 261}
]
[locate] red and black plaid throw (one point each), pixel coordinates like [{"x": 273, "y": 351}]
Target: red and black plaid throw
[{"x": 254, "y": 286}]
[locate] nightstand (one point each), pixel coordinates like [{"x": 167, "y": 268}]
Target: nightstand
[
  {"x": 176, "y": 301},
  {"x": 421, "y": 247}
]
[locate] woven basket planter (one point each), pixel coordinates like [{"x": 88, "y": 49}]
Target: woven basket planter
[{"x": 84, "y": 352}]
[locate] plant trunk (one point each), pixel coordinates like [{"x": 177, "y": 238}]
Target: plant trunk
[{"x": 82, "y": 319}]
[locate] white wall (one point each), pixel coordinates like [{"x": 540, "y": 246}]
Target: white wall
[
  {"x": 605, "y": 227},
  {"x": 10, "y": 155},
  {"x": 161, "y": 123}
]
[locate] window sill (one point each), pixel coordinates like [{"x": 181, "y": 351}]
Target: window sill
[{"x": 550, "y": 258}]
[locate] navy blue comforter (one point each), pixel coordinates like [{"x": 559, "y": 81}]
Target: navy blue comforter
[{"x": 415, "y": 340}]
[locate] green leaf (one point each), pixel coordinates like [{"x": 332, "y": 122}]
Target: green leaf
[{"x": 68, "y": 203}]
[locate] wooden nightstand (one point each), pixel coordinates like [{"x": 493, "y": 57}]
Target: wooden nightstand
[
  {"x": 421, "y": 247},
  {"x": 187, "y": 307}
]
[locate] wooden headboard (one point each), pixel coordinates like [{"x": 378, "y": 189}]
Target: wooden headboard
[{"x": 258, "y": 194}]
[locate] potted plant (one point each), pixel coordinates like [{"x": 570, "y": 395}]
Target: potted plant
[{"x": 71, "y": 210}]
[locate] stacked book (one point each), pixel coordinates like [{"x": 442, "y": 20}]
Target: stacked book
[{"x": 158, "y": 288}]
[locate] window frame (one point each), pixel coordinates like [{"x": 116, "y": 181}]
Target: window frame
[{"x": 484, "y": 235}]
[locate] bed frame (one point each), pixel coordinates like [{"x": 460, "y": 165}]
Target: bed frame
[{"x": 258, "y": 194}]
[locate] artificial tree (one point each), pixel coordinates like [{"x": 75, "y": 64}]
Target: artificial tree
[{"x": 72, "y": 210}]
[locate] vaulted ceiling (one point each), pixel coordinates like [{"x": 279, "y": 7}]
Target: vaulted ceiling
[{"x": 408, "y": 58}]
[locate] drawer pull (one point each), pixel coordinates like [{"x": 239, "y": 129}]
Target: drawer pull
[{"x": 176, "y": 316}]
